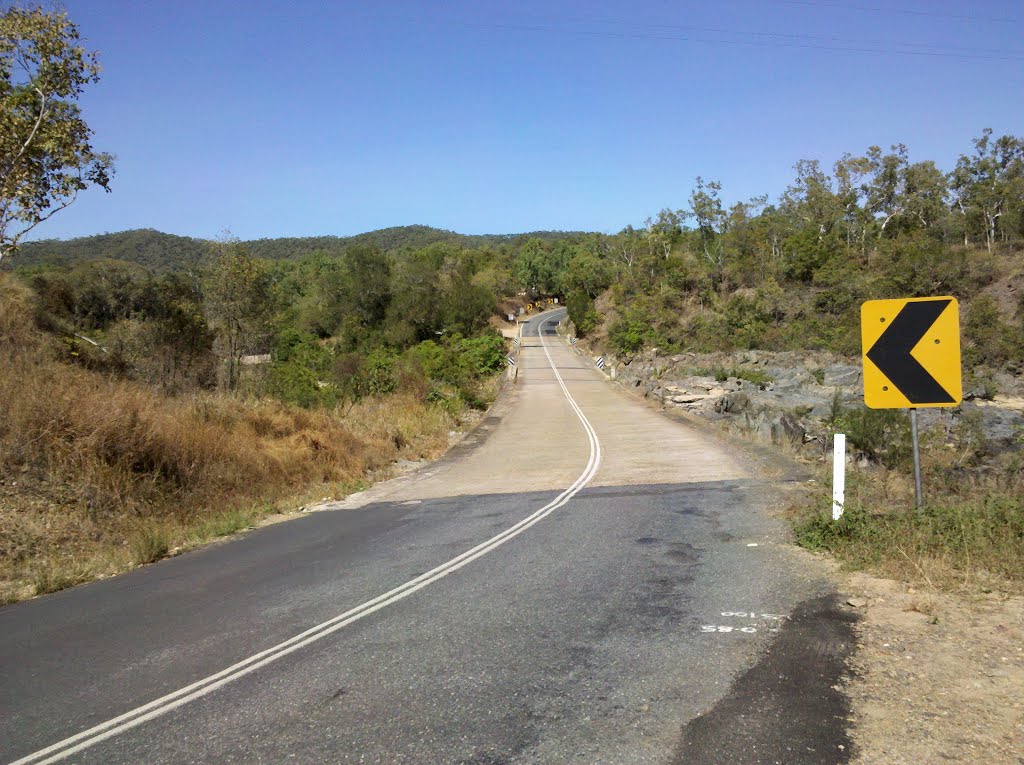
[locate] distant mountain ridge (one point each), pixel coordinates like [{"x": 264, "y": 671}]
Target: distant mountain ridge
[{"x": 157, "y": 250}]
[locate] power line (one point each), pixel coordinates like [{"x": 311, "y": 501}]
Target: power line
[
  {"x": 900, "y": 11},
  {"x": 795, "y": 36},
  {"x": 880, "y": 48}
]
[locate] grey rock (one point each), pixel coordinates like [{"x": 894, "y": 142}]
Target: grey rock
[
  {"x": 732, "y": 403},
  {"x": 786, "y": 382},
  {"x": 841, "y": 376},
  {"x": 821, "y": 411},
  {"x": 1000, "y": 425},
  {"x": 786, "y": 428},
  {"x": 687, "y": 398}
]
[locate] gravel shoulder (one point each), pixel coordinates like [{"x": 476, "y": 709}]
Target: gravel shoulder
[{"x": 938, "y": 677}]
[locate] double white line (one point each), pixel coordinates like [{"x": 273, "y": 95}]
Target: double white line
[{"x": 200, "y": 688}]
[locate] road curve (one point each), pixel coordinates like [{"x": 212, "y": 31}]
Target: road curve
[{"x": 577, "y": 586}]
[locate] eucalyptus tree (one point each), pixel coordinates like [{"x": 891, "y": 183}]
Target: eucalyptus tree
[
  {"x": 238, "y": 306},
  {"x": 46, "y": 152},
  {"x": 811, "y": 199},
  {"x": 708, "y": 213},
  {"x": 665, "y": 232},
  {"x": 989, "y": 184},
  {"x": 853, "y": 187}
]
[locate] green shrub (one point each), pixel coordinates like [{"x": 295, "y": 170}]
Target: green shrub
[
  {"x": 295, "y": 383},
  {"x": 432, "y": 359},
  {"x": 483, "y": 355},
  {"x": 582, "y": 312},
  {"x": 755, "y": 376},
  {"x": 348, "y": 372},
  {"x": 882, "y": 434},
  {"x": 299, "y": 367},
  {"x": 822, "y": 333},
  {"x": 747, "y": 319},
  {"x": 984, "y": 534},
  {"x": 806, "y": 251},
  {"x": 630, "y": 331},
  {"x": 709, "y": 332},
  {"x": 919, "y": 265},
  {"x": 721, "y": 374},
  {"x": 380, "y": 372},
  {"x": 819, "y": 532},
  {"x": 988, "y": 340},
  {"x": 460, "y": 363}
]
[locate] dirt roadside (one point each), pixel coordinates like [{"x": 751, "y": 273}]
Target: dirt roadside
[{"x": 938, "y": 677}]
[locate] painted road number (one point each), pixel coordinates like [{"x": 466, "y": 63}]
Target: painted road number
[
  {"x": 725, "y": 628},
  {"x": 746, "y": 629}
]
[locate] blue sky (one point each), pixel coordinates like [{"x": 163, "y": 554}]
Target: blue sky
[{"x": 299, "y": 118}]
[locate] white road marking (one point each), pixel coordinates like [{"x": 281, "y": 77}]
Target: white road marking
[
  {"x": 708, "y": 628},
  {"x": 745, "y": 629},
  {"x": 164, "y": 704}
]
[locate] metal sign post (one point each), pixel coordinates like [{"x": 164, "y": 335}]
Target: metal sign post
[
  {"x": 911, "y": 355},
  {"x": 919, "y": 496}
]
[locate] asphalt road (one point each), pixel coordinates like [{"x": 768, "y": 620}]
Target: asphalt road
[{"x": 582, "y": 581}]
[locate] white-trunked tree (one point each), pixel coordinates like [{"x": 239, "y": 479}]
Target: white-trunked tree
[{"x": 46, "y": 154}]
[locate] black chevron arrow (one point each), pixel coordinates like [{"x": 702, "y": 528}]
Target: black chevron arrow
[{"x": 891, "y": 353}]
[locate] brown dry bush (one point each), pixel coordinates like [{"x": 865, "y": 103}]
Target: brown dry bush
[{"x": 97, "y": 473}]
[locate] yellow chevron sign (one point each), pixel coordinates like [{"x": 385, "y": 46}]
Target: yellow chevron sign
[{"x": 911, "y": 353}]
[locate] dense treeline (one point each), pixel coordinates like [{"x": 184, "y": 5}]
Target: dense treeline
[
  {"x": 370, "y": 314},
  {"x": 792, "y": 275},
  {"x": 143, "y": 247},
  {"x": 143, "y": 409},
  {"x": 167, "y": 252},
  {"x": 337, "y": 327},
  {"x": 366, "y": 315}
]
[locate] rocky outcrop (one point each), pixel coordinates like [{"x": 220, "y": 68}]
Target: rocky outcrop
[{"x": 790, "y": 397}]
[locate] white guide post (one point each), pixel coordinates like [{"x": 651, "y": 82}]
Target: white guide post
[{"x": 838, "y": 475}]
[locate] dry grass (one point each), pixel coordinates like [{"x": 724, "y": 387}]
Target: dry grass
[
  {"x": 98, "y": 474},
  {"x": 968, "y": 538}
]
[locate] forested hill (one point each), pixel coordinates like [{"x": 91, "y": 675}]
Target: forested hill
[
  {"x": 161, "y": 251},
  {"x": 147, "y": 247}
]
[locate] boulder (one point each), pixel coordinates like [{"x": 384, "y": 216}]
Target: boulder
[
  {"x": 821, "y": 411},
  {"x": 732, "y": 403},
  {"x": 789, "y": 379},
  {"x": 687, "y": 398},
  {"x": 786, "y": 428},
  {"x": 841, "y": 376}
]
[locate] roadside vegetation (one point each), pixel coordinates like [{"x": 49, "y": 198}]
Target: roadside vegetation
[
  {"x": 146, "y": 410},
  {"x": 158, "y": 390},
  {"x": 101, "y": 471},
  {"x": 792, "y": 274},
  {"x": 968, "y": 536}
]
